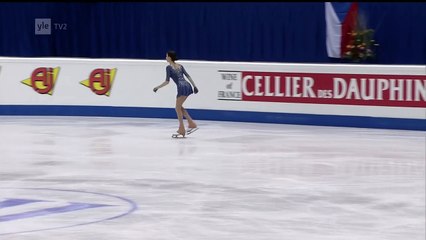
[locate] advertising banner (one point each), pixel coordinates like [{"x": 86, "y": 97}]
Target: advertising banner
[{"x": 315, "y": 89}]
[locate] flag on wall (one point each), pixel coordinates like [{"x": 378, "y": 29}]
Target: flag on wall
[{"x": 340, "y": 18}]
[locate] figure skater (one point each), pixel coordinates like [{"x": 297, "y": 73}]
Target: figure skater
[{"x": 184, "y": 89}]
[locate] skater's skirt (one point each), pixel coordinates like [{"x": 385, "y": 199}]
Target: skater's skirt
[{"x": 184, "y": 88}]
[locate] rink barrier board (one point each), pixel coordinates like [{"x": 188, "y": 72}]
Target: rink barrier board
[
  {"x": 287, "y": 93},
  {"x": 217, "y": 115}
]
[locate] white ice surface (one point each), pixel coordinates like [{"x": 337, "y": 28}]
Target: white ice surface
[{"x": 227, "y": 181}]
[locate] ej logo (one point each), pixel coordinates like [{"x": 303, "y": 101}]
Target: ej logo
[
  {"x": 42, "y": 80},
  {"x": 100, "y": 81}
]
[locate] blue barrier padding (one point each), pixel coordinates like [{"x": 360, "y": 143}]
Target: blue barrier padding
[{"x": 217, "y": 115}]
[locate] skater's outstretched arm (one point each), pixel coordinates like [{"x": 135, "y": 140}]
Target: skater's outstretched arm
[
  {"x": 160, "y": 86},
  {"x": 166, "y": 81}
]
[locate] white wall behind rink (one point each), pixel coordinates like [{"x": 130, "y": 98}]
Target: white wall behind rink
[{"x": 134, "y": 80}]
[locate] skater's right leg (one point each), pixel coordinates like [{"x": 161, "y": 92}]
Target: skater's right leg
[{"x": 191, "y": 123}]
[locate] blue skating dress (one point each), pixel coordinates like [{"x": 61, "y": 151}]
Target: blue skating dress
[{"x": 184, "y": 88}]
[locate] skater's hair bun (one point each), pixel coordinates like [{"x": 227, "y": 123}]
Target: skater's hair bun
[{"x": 172, "y": 55}]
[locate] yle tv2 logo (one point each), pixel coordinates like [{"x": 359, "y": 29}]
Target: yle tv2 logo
[
  {"x": 42, "y": 80},
  {"x": 100, "y": 81}
]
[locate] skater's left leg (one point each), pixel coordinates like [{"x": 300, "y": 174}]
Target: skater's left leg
[{"x": 179, "y": 102}]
